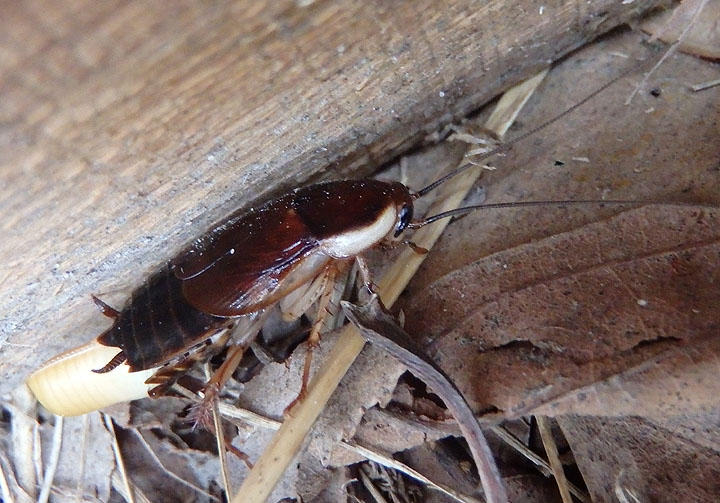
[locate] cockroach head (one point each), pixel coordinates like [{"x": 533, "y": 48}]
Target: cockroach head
[{"x": 404, "y": 205}]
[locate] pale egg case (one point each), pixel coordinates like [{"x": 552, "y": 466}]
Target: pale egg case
[{"x": 67, "y": 385}]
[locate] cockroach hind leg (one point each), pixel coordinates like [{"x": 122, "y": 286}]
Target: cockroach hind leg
[
  {"x": 117, "y": 360},
  {"x": 105, "y": 309},
  {"x": 201, "y": 413},
  {"x": 324, "y": 310}
]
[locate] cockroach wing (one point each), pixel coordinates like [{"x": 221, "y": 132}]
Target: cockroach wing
[{"x": 246, "y": 263}]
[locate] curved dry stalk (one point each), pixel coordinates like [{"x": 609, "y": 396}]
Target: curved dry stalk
[{"x": 382, "y": 330}]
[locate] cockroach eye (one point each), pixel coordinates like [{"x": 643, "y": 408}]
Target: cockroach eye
[{"x": 406, "y": 214}]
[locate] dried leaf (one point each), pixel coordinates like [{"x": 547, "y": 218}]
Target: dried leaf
[
  {"x": 557, "y": 321},
  {"x": 633, "y": 456}
]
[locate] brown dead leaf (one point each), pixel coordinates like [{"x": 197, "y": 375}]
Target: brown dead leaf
[
  {"x": 557, "y": 321},
  {"x": 672, "y": 387},
  {"x": 633, "y": 457}
]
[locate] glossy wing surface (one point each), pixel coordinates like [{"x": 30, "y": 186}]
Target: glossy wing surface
[{"x": 241, "y": 266}]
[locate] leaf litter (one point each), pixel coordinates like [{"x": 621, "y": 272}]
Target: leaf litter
[{"x": 604, "y": 318}]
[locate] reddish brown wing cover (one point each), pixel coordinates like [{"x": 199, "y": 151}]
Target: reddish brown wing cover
[
  {"x": 234, "y": 269},
  {"x": 240, "y": 266}
]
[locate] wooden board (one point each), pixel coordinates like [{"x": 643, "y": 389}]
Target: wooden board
[{"x": 128, "y": 128}]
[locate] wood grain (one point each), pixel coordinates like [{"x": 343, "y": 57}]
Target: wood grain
[{"x": 127, "y": 128}]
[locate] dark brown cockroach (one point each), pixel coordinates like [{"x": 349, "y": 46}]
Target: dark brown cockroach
[
  {"x": 239, "y": 270},
  {"x": 294, "y": 245}
]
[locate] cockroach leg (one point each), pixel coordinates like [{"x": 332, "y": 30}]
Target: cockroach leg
[
  {"x": 365, "y": 273},
  {"x": 239, "y": 454},
  {"x": 202, "y": 412},
  {"x": 324, "y": 309},
  {"x": 229, "y": 447},
  {"x": 118, "y": 359},
  {"x": 166, "y": 377},
  {"x": 296, "y": 303},
  {"x": 243, "y": 331},
  {"x": 105, "y": 309}
]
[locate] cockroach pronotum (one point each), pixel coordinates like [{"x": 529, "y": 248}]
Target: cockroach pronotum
[{"x": 294, "y": 244}]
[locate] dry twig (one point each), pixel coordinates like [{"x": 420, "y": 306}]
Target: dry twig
[
  {"x": 49, "y": 475},
  {"x": 554, "y": 458},
  {"x": 118, "y": 457}
]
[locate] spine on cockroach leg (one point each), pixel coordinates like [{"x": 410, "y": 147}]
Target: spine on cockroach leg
[{"x": 66, "y": 385}]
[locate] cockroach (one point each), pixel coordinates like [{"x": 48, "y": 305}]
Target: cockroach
[
  {"x": 242, "y": 268},
  {"x": 290, "y": 247}
]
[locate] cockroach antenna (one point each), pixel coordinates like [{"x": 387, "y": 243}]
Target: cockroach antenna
[
  {"x": 506, "y": 146},
  {"x": 523, "y": 204}
]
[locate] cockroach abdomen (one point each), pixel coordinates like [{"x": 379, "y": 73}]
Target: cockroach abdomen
[{"x": 158, "y": 324}]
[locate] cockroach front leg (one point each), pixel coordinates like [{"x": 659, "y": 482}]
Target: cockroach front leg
[{"x": 365, "y": 273}]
